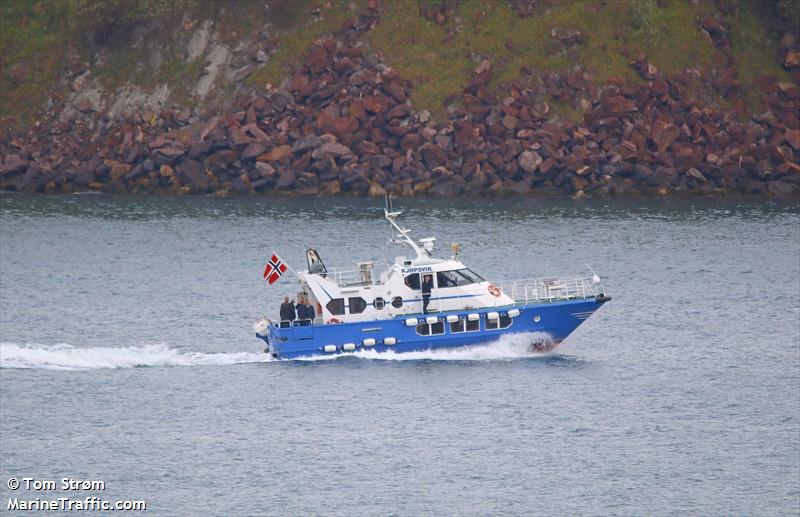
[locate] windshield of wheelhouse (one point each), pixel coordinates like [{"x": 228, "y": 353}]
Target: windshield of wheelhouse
[{"x": 457, "y": 278}]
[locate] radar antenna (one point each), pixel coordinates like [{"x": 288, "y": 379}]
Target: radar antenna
[{"x": 399, "y": 235}]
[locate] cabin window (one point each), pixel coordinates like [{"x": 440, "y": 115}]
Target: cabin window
[
  {"x": 397, "y": 302},
  {"x": 446, "y": 279},
  {"x": 430, "y": 329},
  {"x": 464, "y": 325},
  {"x": 457, "y": 278},
  {"x": 471, "y": 277},
  {"x": 335, "y": 306},
  {"x": 502, "y": 323},
  {"x": 357, "y": 305},
  {"x": 412, "y": 281},
  {"x": 379, "y": 303}
]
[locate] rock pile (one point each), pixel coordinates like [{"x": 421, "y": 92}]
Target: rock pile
[{"x": 343, "y": 124}]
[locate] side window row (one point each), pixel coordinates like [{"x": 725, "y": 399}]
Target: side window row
[
  {"x": 463, "y": 324},
  {"x": 357, "y": 305}
]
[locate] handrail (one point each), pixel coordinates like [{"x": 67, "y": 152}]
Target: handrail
[
  {"x": 549, "y": 289},
  {"x": 523, "y": 292},
  {"x": 364, "y": 275}
]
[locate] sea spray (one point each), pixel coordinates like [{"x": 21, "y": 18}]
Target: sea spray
[
  {"x": 63, "y": 356},
  {"x": 67, "y": 357}
]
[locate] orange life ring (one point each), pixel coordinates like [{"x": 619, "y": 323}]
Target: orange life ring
[
  {"x": 332, "y": 321},
  {"x": 494, "y": 291}
]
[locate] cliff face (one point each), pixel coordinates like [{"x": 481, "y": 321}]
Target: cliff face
[{"x": 437, "y": 98}]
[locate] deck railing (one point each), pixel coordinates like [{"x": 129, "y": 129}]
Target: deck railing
[
  {"x": 549, "y": 289},
  {"x": 364, "y": 274}
]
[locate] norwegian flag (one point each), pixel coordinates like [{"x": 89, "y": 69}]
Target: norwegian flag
[{"x": 275, "y": 268}]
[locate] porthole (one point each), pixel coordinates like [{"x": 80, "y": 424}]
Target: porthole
[
  {"x": 397, "y": 302},
  {"x": 537, "y": 319},
  {"x": 379, "y": 303}
]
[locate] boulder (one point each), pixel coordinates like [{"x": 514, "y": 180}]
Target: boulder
[
  {"x": 276, "y": 154},
  {"x": 118, "y": 170},
  {"x": 194, "y": 175},
  {"x": 792, "y": 59},
  {"x": 433, "y": 155},
  {"x": 696, "y": 174},
  {"x": 286, "y": 179},
  {"x": 793, "y": 138},
  {"x": 619, "y": 104},
  {"x": 253, "y": 150},
  {"x": 529, "y": 161},
  {"x": 664, "y": 134},
  {"x": 13, "y": 163},
  {"x": 331, "y": 149},
  {"x": 304, "y": 144}
]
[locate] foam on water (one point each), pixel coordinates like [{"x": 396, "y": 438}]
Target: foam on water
[{"x": 68, "y": 357}]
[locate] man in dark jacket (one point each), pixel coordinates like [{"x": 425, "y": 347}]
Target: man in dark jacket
[
  {"x": 310, "y": 310},
  {"x": 427, "y": 286},
  {"x": 287, "y": 310},
  {"x": 302, "y": 310}
]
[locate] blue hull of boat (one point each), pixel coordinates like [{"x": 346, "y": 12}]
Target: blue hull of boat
[{"x": 555, "y": 320}]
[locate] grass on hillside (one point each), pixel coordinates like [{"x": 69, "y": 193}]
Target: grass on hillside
[
  {"x": 33, "y": 35},
  {"x": 440, "y": 59},
  {"x": 296, "y": 34},
  {"x": 666, "y": 31}
]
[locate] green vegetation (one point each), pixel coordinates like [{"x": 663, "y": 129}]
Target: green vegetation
[
  {"x": 32, "y": 41},
  {"x": 36, "y": 36},
  {"x": 666, "y": 31},
  {"x": 753, "y": 46},
  {"x": 297, "y": 34}
]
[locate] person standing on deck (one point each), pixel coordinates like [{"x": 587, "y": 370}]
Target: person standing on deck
[
  {"x": 302, "y": 309},
  {"x": 287, "y": 310},
  {"x": 427, "y": 286},
  {"x": 310, "y": 312}
]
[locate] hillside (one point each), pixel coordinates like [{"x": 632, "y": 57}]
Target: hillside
[{"x": 445, "y": 98}]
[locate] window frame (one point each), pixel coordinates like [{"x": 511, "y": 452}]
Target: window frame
[
  {"x": 350, "y": 304},
  {"x": 408, "y": 284},
  {"x": 470, "y": 275},
  {"x": 495, "y": 324},
  {"x": 335, "y": 300},
  {"x": 379, "y": 303},
  {"x": 428, "y": 327},
  {"x": 464, "y": 321}
]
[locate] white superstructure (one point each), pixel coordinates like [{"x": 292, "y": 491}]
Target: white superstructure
[{"x": 362, "y": 295}]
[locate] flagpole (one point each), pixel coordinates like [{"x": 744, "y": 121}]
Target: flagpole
[{"x": 293, "y": 271}]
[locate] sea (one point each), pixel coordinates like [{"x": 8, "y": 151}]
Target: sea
[{"x": 129, "y": 366}]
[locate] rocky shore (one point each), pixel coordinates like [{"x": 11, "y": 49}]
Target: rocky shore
[{"x": 343, "y": 124}]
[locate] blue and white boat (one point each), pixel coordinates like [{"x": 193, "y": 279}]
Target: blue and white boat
[{"x": 358, "y": 310}]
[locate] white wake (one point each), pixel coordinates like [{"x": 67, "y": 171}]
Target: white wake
[{"x": 68, "y": 357}]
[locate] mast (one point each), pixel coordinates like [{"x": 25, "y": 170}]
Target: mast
[{"x": 399, "y": 234}]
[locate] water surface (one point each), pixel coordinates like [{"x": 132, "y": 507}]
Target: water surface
[{"x": 127, "y": 355}]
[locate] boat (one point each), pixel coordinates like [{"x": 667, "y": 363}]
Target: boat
[{"x": 424, "y": 302}]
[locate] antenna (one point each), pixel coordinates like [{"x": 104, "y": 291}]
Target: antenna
[
  {"x": 595, "y": 276},
  {"x": 399, "y": 234}
]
